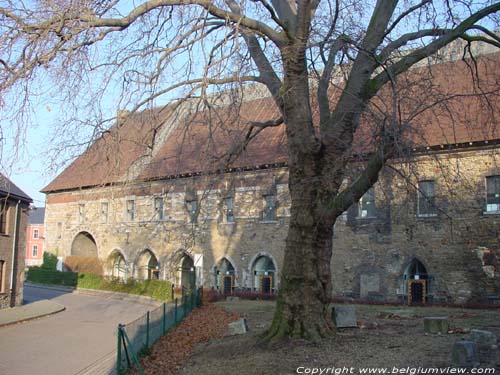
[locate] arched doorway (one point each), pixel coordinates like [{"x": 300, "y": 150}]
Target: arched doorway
[
  {"x": 84, "y": 245},
  {"x": 118, "y": 265},
  {"x": 224, "y": 276},
  {"x": 416, "y": 282},
  {"x": 263, "y": 271},
  {"x": 186, "y": 273},
  {"x": 147, "y": 265}
]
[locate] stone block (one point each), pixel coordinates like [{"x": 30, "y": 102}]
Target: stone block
[
  {"x": 464, "y": 354},
  {"x": 239, "y": 327},
  {"x": 344, "y": 316},
  {"x": 483, "y": 338},
  {"x": 436, "y": 324},
  {"x": 232, "y": 298}
]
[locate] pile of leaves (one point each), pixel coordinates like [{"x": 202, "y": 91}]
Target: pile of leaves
[{"x": 171, "y": 351}]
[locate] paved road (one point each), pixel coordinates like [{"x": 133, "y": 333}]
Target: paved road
[{"x": 66, "y": 342}]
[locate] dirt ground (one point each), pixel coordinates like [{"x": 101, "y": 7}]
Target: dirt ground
[{"x": 389, "y": 340}]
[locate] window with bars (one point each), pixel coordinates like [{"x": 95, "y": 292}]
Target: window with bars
[
  {"x": 426, "y": 198},
  {"x": 158, "y": 206},
  {"x": 35, "y": 233},
  {"x": 34, "y": 251},
  {"x": 59, "y": 230},
  {"x": 366, "y": 205},
  {"x": 104, "y": 212},
  {"x": 81, "y": 213},
  {"x": 192, "y": 208},
  {"x": 269, "y": 213},
  {"x": 493, "y": 194},
  {"x": 130, "y": 209},
  {"x": 229, "y": 210}
]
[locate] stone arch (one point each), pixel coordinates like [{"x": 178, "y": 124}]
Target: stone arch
[
  {"x": 223, "y": 275},
  {"x": 117, "y": 265},
  {"x": 146, "y": 265},
  {"x": 263, "y": 272},
  {"x": 84, "y": 245},
  {"x": 416, "y": 276},
  {"x": 180, "y": 269}
]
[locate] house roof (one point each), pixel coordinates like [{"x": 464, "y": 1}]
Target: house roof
[
  {"x": 439, "y": 103},
  {"x": 36, "y": 215},
  {"x": 10, "y": 190}
]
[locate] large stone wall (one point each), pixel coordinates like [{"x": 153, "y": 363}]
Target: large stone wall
[{"x": 458, "y": 246}]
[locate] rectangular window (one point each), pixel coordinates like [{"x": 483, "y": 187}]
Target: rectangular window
[
  {"x": 35, "y": 233},
  {"x": 228, "y": 208},
  {"x": 81, "y": 213},
  {"x": 34, "y": 251},
  {"x": 130, "y": 209},
  {"x": 192, "y": 207},
  {"x": 158, "y": 203},
  {"x": 2, "y": 276},
  {"x": 104, "y": 212},
  {"x": 4, "y": 210},
  {"x": 366, "y": 205},
  {"x": 59, "y": 230},
  {"x": 426, "y": 198},
  {"x": 493, "y": 194},
  {"x": 269, "y": 213}
]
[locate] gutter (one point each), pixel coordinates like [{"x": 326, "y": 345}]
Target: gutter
[{"x": 13, "y": 270}]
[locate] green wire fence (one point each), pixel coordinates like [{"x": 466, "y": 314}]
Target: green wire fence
[{"x": 135, "y": 338}]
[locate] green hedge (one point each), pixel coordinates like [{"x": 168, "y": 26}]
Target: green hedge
[
  {"x": 46, "y": 276},
  {"x": 158, "y": 289}
]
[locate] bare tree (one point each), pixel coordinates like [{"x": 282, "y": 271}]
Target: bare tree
[{"x": 162, "y": 50}]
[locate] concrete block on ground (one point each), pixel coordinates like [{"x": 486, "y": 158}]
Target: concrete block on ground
[
  {"x": 239, "y": 327},
  {"x": 344, "y": 316},
  {"x": 436, "y": 324},
  {"x": 464, "y": 354},
  {"x": 482, "y": 338},
  {"x": 232, "y": 298}
]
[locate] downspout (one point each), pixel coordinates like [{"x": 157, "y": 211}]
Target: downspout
[{"x": 15, "y": 240}]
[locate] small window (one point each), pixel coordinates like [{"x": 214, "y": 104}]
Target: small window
[
  {"x": 81, "y": 213},
  {"x": 4, "y": 210},
  {"x": 269, "y": 213},
  {"x": 130, "y": 209},
  {"x": 104, "y": 212},
  {"x": 228, "y": 208},
  {"x": 34, "y": 251},
  {"x": 192, "y": 208},
  {"x": 366, "y": 205},
  {"x": 426, "y": 198},
  {"x": 2, "y": 276},
  {"x": 158, "y": 204},
  {"x": 59, "y": 230},
  {"x": 35, "y": 233},
  {"x": 493, "y": 194}
]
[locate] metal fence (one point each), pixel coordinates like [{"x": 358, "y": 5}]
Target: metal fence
[{"x": 135, "y": 338}]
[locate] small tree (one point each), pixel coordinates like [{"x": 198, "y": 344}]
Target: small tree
[{"x": 49, "y": 261}]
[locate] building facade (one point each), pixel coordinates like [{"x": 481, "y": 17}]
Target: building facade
[
  {"x": 35, "y": 236},
  {"x": 14, "y": 207},
  {"x": 427, "y": 231}
]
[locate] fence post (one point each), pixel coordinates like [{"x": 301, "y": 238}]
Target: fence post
[
  {"x": 164, "y": 317},
  {"x": 173, "y": 287},
  {"x": 175, "y": 312},
  {"x": 119, "y": 350},
  {"x": 147, "y": 330}
]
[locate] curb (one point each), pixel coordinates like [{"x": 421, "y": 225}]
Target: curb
[
  {"x": 62, "y": 308},
  {"x": 60, "y": 288}
]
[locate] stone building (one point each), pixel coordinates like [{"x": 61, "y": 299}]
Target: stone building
[
  {"x": 171, "y": 194},
  {"x": 14, "y": 205}
]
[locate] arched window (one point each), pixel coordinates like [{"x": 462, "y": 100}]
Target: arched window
[
  {"x": 186, "y": 272},
  {"x": 84, "y": 245},
  {"x": 148, "y": 267},
  {"x": 224, "y": 276},
  {"x": 118, "y": 265},
  {"x": 416, "y": 281},
  {"x": 263, "y": 271}
]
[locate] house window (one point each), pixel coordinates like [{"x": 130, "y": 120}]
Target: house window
[
  {"x": 59, "y": 230},
  {"x": 81, "y": 213},
  {"x": 228, "y": 209},
  {"x": 493, "y": 194},
  {"x": 4, "y": 209},
  {"x": 366, "y": 205},
  {"x": 2, "y": 276},
  {"x": 34, "y": 251},
  {"x": 104, "y": 212},
  {"x": 130, "y": 209},
  {"x": 158, "y": 205},
  {"x": 192, "y": 208},
  {"x": 35, "y": 234},
  {"x": 269, "y": 213},
  {"x": 426, "y": 198}
]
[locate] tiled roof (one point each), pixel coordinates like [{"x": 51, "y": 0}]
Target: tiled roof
[
  {"x": 10, "y": 190},
  {"x": 437, "y": 103}
]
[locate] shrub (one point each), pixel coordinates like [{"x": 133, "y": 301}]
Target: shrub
[
  {"x": 49, "y": 261},
  {"x": 90, "y": 265},
  {"x": 48, "y": 276},
  {"x": 89, "y": 281}
]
